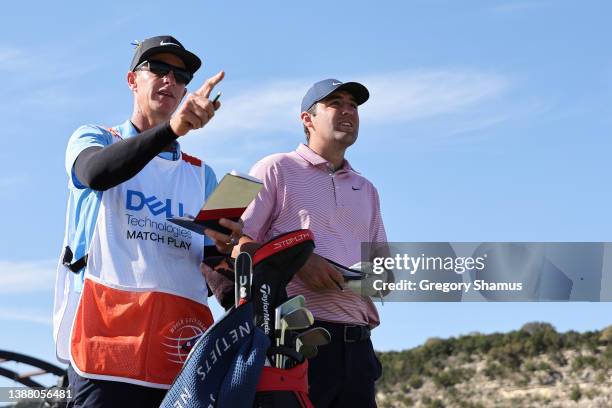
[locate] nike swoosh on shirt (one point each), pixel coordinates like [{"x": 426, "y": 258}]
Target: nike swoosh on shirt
[{"x": 355, "y": 189}]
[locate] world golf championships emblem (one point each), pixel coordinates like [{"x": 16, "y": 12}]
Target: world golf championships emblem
[{"x": 182, "y": 336}]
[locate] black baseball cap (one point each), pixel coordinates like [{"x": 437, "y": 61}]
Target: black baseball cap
[
  {"x": 167, "y": 44},
  {"x": 324, "y": 88}
]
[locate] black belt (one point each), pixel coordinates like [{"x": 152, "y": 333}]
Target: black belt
[
  {"x": 348, "y": 333},
  {"x": 354, "y": 334}
]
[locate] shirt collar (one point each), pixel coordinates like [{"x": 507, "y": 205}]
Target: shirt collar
[
  {"x": 313, "y": 158},
  {"x": 127, "y": 129}
]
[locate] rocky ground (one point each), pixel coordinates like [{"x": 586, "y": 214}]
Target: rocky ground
[{"x": 555, "y": 373}]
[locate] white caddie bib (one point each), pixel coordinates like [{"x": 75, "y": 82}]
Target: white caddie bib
[{"x": 144, "y": 299}]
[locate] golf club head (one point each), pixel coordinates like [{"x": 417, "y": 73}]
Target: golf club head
[
  {"x": 290, "y": 305},
  {"x": 306, "y": 350},
  {"x": 294, "y": 302},
  {"x": 298, "y": 319},
  {"x": 317, "y": 336}
]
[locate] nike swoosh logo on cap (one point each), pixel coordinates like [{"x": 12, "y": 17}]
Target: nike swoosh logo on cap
[
  {"x": 167, "y": 43},
  {"x": 336, "y": 83}
]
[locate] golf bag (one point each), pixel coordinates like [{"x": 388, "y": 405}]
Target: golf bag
[{"x": 229, "y": 365}]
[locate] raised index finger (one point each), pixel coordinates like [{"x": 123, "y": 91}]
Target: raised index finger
[{"x": 210, "y": 83}]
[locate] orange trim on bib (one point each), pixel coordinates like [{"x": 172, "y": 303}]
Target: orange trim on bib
[
  {"x": 191, "y": 159},
  {"x": 115, "y": 133},
  {"x": 144, "y": 336}
]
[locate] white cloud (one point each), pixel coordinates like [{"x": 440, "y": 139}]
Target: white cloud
[
  {"x": 513, "y": 113},
  {"x": 273, "y": 106},
  {"x": 27, "y": 276},
  {"x": 43, "y": 90},
  {"x": 27, "y": 62},
  {"x": 26, "y": 315},
  {"x": 398, "y": 96},
  {"x": 395, "y": 97},
  {"x": 265, "y": 118},
  {"x": 13, "y": 60},
  {"x": 413, "y": 95}
]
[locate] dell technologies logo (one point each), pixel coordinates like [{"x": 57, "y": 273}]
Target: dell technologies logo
[{"x": 136, "y": 201}]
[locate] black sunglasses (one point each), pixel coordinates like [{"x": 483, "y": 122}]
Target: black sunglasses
[{"x": 161, "y": 69}]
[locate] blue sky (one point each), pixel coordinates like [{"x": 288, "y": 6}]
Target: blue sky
[{"x": 488, "y": 121}]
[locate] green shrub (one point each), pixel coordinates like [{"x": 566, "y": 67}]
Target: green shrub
[
  {"x": 535, "y": 327},
  {"x": 435, "y": 404},
  {"x": 544, "y": 366},
  {"x": 494, "y": 370},
  {"x": 449, "y": 378},
  {"x": 575, "y": 393},
  {"x": 530, "y": 366},
  {"x": 606, "y": 335},
  {"x": 582, "y": 362},
  {"x": 558, "y": 358},
  {"x": 522, "y": 381},
  {"x": 408, "y": 401},
  {"x": 415, "y": 381}
]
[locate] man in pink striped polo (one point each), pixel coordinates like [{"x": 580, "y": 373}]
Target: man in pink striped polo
[{"x": 315, "y": 187}]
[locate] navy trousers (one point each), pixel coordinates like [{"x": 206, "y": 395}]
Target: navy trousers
[
  {"x": 343, "y": 373},
  {"x": 111, "y": 394}
]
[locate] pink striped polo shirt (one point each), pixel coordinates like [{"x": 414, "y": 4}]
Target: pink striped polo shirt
[{"x": 341, "y": 208}]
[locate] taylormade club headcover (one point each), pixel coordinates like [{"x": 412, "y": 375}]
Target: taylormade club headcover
[{"x": 274, "y": 265}]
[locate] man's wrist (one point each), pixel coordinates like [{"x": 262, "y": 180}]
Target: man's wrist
[
  {"x": 171, "y": 130},
  {"x": 175, "y": 128}
]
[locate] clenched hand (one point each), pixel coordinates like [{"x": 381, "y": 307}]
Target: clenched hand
[
  {"x": 318, "y": 274},
  {"x": 197, "y": 109}
]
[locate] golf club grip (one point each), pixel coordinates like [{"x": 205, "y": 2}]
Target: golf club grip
[
  {"x": 244, "y": 270},
  {"x": 237, "y": 268}
]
